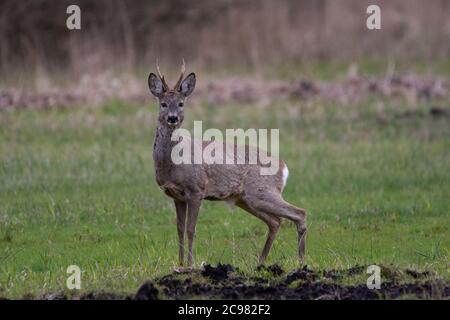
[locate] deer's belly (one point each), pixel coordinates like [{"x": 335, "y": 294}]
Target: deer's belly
[{"x": 223, "y": 190}]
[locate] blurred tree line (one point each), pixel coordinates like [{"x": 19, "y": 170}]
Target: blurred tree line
[{"x": 126, "y": 35}]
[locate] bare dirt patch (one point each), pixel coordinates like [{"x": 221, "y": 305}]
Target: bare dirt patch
[{"x": 95, "y": 90}]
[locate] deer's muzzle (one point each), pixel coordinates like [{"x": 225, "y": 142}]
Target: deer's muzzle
[{"x": 172, "y": 120}]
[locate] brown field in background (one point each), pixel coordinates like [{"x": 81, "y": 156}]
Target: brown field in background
[{"x": 214, "y": 35}]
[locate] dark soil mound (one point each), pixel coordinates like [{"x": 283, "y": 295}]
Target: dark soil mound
[
  {"x": 226, "y": 282},
  {"x": 273, "y": 269},
  {"x": 147, "y": 291},
  {"x": 218, "y": 273}
]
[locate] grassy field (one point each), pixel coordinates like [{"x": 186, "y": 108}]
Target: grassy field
[{"x": 77, "y": 187}]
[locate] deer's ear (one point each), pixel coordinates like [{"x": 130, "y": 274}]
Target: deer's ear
[
  {"x": 155, "y": 85},
  {"x": 187, "y": 85}
]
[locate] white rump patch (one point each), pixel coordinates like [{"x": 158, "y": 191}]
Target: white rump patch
[{"x": 285, "y": 175}]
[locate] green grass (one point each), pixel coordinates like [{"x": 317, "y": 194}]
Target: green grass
[{"x": 77, "y": 187}]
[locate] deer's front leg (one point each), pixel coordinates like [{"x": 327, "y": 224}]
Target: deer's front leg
[
  {"x": 180, "y": 206},
  {"x": 193, "y": 208}
]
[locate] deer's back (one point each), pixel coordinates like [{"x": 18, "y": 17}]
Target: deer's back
[{"x": 220, "y": 181}]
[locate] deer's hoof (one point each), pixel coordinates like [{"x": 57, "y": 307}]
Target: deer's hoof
[{"x": 182, "y": 269}]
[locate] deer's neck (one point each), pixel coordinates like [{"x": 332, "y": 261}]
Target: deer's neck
[{"x": 162, "y": 148}]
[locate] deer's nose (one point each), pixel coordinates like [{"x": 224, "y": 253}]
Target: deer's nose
[{"x": 172, "y": 119}]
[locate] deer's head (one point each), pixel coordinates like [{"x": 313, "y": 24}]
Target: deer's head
[{"x": 171, "y": 101}]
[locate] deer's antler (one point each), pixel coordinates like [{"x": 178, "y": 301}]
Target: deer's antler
[
  {"x": 183, "y": 70},
  {"x": 161, "y": 77}
]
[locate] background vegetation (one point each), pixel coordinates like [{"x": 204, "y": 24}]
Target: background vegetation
[
  {"x": 222, "y": 36},
  {"x": 78, "y": 188},
  {"x": 363, "y": 118}
]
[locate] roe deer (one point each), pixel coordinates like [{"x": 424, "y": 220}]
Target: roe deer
[{"x": 189, "y": 184}]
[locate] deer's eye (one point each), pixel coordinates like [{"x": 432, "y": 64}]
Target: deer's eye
[
  {"x": 181, "y": 104},
  {"x": 163, "y": 105}
]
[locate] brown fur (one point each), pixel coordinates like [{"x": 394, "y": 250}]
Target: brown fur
[{"x": 189, "y": 184}]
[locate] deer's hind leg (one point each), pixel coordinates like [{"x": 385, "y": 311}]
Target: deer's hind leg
[
  {"x": 272, "y": 204},
  {"x": 273, "y": 223}
]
